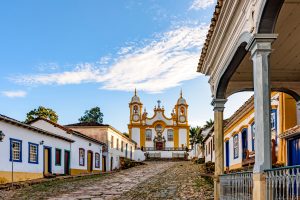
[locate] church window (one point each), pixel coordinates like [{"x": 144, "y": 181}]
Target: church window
[
  {"x": 135, "y": 109},
  {"x": 182, "y": 111},
  {"x": 33, "y": 153},
  {"x": 148, "y": 135},
  {"x": 81, "y": 157},
  {"x": 170, "y": 135},
  {"x": 97, "y": 160},
  {"x": 15, "y": 150},
  {"x": 236, "y": 146}
]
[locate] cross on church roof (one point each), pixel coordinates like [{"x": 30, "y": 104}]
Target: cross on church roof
[{"x": 158, "y": 103}]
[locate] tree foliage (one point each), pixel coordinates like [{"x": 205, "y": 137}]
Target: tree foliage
[
  {"x": 208, "y": 124},
  {"x": 42, "y": 112},
  {"x": 196, "y": 136},
  {"x": 92, "y": 115}
]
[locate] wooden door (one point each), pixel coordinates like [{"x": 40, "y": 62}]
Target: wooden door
[
  {"x": 104, "y": 163},
  {"x": 67, "y": 163},
  {"x": 90, "y": 161}
]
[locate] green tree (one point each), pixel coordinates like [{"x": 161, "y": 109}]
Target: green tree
[
  {"x": 196, "y": 135},
  {"x": 42, "y": 112},
  {"x": 208, "y": 124},
  {"x": 92, "y": 115}
]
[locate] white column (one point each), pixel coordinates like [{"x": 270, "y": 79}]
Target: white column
[
  {"x": 219, "y": 143},
  {"x": 298, "y": 112},
  {"x": 261, "y": 47}
]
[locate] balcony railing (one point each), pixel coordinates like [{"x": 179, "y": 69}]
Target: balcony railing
[
  {"x": 164, "y": 149},
  {"x": 236, "y": 186},
  {"x": 283, "y": 183}
]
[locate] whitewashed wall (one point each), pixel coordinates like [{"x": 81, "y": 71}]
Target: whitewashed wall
[
  {"x": 87, "y": 145},
  {"x": 182, "y": 137},
  {"x": 19, "y": 133}
]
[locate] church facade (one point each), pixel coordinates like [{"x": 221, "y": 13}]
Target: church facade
[{"x": 159, "y": 135}]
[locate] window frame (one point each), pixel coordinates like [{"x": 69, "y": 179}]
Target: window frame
[
  {"x": 82, "y": 149},
  {"x": 148, "y": 138},
  {"x": 60, "y": 157},
  {"x": 37, "y": 153},
  {"x": 236, "y": 146},
  {"x": 97, "y": 164},
  {"x": 117, "y": 146},
  {"x": 11, "y": 140},
  {"x": 122, "y": 145},
  {"x": 168, "y": 134}
]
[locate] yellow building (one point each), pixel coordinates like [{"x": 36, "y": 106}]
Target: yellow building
[
  {"x": 159, "y": 135},
  {"x": 239, "y": 132}
]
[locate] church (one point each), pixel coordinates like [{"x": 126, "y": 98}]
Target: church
[{"x": 158, "y": 135}]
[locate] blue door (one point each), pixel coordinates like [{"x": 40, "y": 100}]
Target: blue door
[
  {"x": 227, "y": 153},
  {"x": 244, "y": 143},
  {"x": 294, "y": 152}
]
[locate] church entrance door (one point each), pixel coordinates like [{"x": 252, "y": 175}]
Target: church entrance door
[{"x": 159, "y": 145}]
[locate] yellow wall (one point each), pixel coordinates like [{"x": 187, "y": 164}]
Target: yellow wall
[
  {"x": 5, "y": 177},
  {"x": 289, "y": 114},
  {"x": 176, "y": 137},
  {"x": 142, "y": 137},
  {"x": 83, "y": 171}
]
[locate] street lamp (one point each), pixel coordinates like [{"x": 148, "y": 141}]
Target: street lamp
[{"x": 2, "y": 135}]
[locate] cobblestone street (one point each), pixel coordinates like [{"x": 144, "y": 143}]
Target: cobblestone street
[{"x": 156, "y": 180}]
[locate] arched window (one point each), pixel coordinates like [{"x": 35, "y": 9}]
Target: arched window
[
  {"x": 182, "y": 111},
  {"x": 148, "y": 134},
  {"x": 170, "y": 135},
  {"x": 135, "y": 109}
]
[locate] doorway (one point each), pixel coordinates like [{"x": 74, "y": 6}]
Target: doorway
[
  {"x": 47, "y": 160},
  {"x": 227, "y": 153},
  {"x": 111, "y": 163},
  {"x": 90, "y": 161},
  {"x": 104, "y": 163},
  {"x": 67, "y": 162},
  {"x": 244, "y": 143},
  {"x": 294, "y": 151},
  {"x": 159, "y": 145}
]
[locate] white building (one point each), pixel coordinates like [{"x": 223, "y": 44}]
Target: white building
[
  {"x": 34, "y": 151},
  {"x": 118, "y": 145},
  {"x": 209, "y": 145},
  {"x": 86, "y": 152}
]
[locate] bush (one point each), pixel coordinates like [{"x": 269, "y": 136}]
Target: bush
[
  {"x": 199, "y": 161},
  {"x": 210, "y": 167}
]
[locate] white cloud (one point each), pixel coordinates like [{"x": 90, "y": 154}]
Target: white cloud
[
  {"x": 201, "y": 4},
  {"x": 14, "y": 94},
  {"x": 152, "y": 65}
]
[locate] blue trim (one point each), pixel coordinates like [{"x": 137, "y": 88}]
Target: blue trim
[
  {"x": 237, "y": 155},
  {"x": 37, "y": 153},
  {"x": 58, "y": 164},
  {"x": 11, "y": 140},
  {"x": 50, "y": 158},
  {"x": 227, "y": 153},
  {"x": 253, "y": 135}
]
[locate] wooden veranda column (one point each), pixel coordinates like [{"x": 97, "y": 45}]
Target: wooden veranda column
[
  {"x": 219, "y": 143},
  {"x": 260, "y": 47}
]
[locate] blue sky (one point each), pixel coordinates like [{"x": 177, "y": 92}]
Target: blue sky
[{"x": 73, "y": 55}]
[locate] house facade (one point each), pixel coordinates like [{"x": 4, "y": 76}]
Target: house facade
[
  {"x": 118, "y": 145},
  {"x": 86, "y": 152},
  {"x": 28, "y": 152},
  {"x": 158, "y": 135},
  {"x": 239, "y": 134}
]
